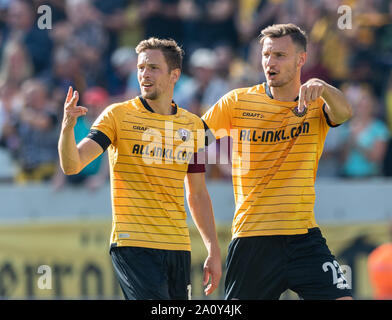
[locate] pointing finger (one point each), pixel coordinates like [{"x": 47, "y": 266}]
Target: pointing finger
[
  {"x": 308, "y": 95},
  {"x": 301, "y": 99},
  {"x": 319, "y": 91},
  {"x": 75, "y": 97},
  {"x": 69, "y": 94},
  {"x": 314, "y": 94}
]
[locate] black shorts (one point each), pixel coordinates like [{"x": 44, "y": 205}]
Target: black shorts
[
  {"x": 264, "y": 267},
  {"x": 152, "y": 274}
]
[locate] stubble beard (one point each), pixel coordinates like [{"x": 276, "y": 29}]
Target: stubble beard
[
  {"x": 286, "y": 80},
  {"x": 150, "y": 95}
]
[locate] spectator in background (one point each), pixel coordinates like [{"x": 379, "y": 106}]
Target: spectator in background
[
  {"x": 123, "y": 20},
  {"x": 224, "y": 58},
  {"x": 208, "y": 23},
  {"x": 21, "y": 27},
  {"x": 388, "y": 102},
  {"x": 86, "y": 38},
  {"x": 84, "y": 47},
  {"x": 96, "y": 173},
  {"x": 124, "y": 61},
  {"x": 10, "y": 107},
  {"x": 246, "y": 71},
  {"x": 387, "y": 168},
  {"x": 113, "y": 16},
  {"x": 9, "y": 140},
  {"x": 67, "y": 71},
  {"x": 303, "y": 12},
  {"x": 367, "y": 60},
  {"x": 313, "y": 67},
  {"x": 255, "y": 16},
  {"x": 335, "y": 44},
  {"x": 205, "y": 87},
  {"x": 38, "y": 130},
  {"x": 161, "y": 19},
  {"x": 220, "y": 28},
  {"x": 364, "y": 138},
  {"x": 16, "y": 65}
]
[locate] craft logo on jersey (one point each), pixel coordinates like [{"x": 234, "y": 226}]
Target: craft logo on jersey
[
  {"x": 252, "y": 115},
  {"x": 184, "y": 134},
  {"x": 140, "y": 128},
  {"x": 299, "y": 114}
]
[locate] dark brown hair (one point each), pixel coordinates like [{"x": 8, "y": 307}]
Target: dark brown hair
[
  {"x": 171, "y": 50},
  {"x": 298, "y": 36}
]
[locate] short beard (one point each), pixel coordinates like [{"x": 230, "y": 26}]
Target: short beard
[
  {"x": 150, "y": 96},
  {"x": 283, "y": 82}
]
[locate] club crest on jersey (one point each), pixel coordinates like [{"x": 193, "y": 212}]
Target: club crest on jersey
[
  {"x": 299, "y": 114},
  {"x": 184, "y": 134}
]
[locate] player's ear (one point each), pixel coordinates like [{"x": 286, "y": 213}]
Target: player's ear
[
  {"x": 301, "y": 59},
  {"x": 175, "y": 74}
]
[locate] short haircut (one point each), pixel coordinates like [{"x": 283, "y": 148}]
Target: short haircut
[
  {"x": 297, "y": 35},
  {"x": 171, "y": 50}
]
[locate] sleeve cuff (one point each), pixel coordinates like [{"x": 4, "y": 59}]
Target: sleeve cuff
[{"x": 329, "y": 122}]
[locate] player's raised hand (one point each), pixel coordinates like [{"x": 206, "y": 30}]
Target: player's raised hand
[
  {"x": 71, "y": 110},
  {"x": 309, "y": 92}
]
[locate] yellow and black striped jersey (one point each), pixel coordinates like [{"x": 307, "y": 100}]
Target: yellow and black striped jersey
[
  {"x": 274, "y": 159},
  {"x": 149, "y": 155}
]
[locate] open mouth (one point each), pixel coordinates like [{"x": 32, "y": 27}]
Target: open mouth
[
  {"x": 147, "y": 84},
  {"x": 272, "y": 73}
]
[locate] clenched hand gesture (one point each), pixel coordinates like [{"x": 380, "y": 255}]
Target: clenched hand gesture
[{"x": 309, "y": 92}]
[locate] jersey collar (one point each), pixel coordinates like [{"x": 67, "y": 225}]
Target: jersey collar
[
  {"x": 147, "y": 106},
  {"x": 268, "y": 91}
]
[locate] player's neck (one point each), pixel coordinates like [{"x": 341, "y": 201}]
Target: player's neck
[
  {"x": 287, "y": 92},
  {"x": 162, "y": 105}
]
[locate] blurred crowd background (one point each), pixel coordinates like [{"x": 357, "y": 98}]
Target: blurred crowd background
[{"x": 90, "y": 46}]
